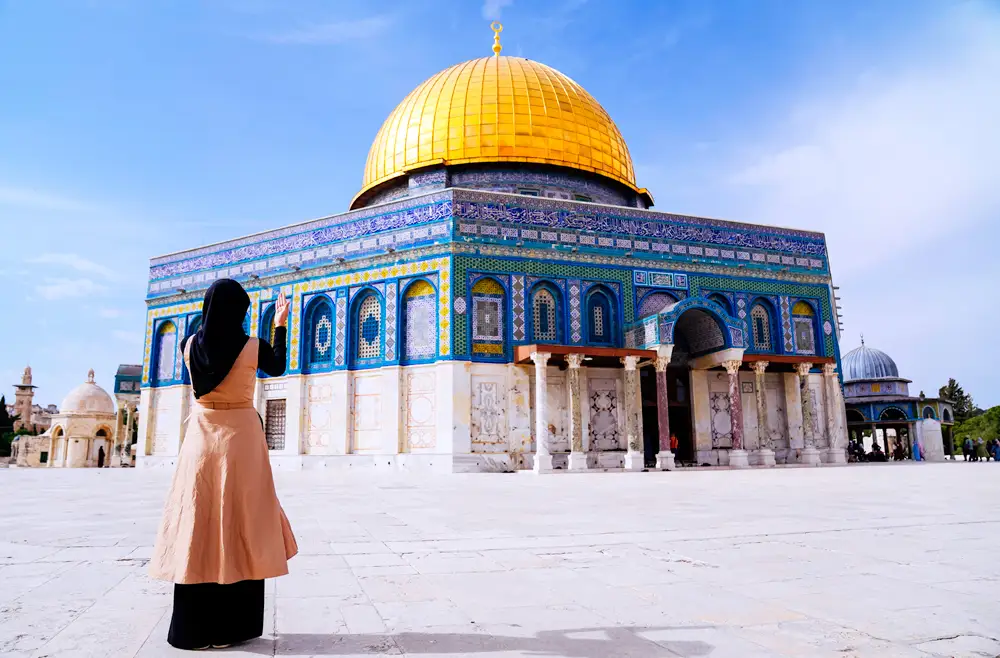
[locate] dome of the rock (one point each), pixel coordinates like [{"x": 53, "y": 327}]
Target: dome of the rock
[{"x": 498, "y": 110}]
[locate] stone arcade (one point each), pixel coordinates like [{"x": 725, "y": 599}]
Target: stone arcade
[{"x": 500, "y": 295}]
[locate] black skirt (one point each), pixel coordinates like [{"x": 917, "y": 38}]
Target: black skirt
[{"x": 212, "y": 615}]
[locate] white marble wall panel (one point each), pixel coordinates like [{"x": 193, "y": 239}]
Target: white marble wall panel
[
  {"x": 367, "y": 412},
  {"x": 519, "y": 417},
  {"x": 718, "y": 402},
  {"x": 318, "y": 416},
  {"x": 420, "y": 407},
  {"x": 558, "y": 408},
  {"x": 603, "y": 411},
  {"x": 777, "y": 424},
  {"x": 489, "y": 413}
]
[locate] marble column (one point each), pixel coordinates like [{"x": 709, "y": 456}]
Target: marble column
[
  {"x": 764, "y": 455},
  {"x": 836, "y": 453},
  {"x": 664, "y": 457},
  {"x": 543, "y": 458},
  {"x": 738, "y": 457},
  {"x": 635, "y": 458},
  {"x": 577, "y": 457},
  {"x": 810, "y": 454}
]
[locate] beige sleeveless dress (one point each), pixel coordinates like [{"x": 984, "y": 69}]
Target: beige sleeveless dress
[{"x": 222, "y": 522}]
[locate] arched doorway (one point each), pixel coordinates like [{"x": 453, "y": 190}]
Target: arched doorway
[{"x": 697, "y": 332}]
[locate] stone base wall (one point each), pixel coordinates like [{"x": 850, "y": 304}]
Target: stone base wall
[{"x": 458, "y": 416}]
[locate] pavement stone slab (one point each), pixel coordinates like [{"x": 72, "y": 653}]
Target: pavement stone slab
[{"x": 783, "y": 562}]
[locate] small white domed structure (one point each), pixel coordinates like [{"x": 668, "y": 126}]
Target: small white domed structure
[
  {"x": 88, "y": 398},
  {"x": 83, "y": 432}
]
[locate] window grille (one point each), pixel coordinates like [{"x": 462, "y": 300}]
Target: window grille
[
  {"x": 544, "y": 315},
  {"x": 370, "y": 328},
  {"x": 274, "y": 424},
  {"x": 761, "y": 323}
]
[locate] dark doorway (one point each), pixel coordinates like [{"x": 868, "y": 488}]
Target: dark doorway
[
  {"x": 650, "y": 420},
  {"x": 679, "y": 392}
]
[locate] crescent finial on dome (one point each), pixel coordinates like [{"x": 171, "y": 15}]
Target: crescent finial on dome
[
  {"x": 90, "y": 376},
  {"x": 497, "y": 28}
]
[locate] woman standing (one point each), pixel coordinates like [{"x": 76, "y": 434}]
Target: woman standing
[{"x": 223, "y": 530}]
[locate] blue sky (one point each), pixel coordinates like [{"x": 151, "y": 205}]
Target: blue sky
[{"x": 133, "y": 128}]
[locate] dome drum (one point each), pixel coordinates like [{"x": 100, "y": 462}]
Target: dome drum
[{"x": 508, "y": 178}]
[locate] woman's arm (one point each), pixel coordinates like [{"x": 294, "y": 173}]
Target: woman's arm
[{"x": 271, "y": 359}]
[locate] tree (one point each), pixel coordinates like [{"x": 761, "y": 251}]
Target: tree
[
  {"x": 962, "y": 402},
  {"x": 6, "y": 420},
  {"x": 985, "y": 426}
]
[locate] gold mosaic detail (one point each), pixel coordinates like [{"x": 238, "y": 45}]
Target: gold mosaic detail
[{"x": 498, "y": 109}]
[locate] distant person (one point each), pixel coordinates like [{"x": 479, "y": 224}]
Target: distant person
[
  {"x": 223, "y": 530},
  {"x": 981, "y": 454},
  {"x": 968, "y": 449},
  {"x": 100, "y": 457},
  {"x": 673, "y": 443},
  {"x": 996, "y": 450},
  {"x": 877, "y": 455},
  {"x": 916, "y": 451}
]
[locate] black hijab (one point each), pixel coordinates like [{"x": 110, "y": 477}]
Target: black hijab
[{"x": 221, "y": 338}]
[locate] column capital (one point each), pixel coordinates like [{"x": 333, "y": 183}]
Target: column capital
[
  {"x": 829, "y": 369},
  {"x": 732, "y": 366},
  {"x": 630, "y": 362},
  {"x": 759, "y": 367},
  {"x": 540, "y": 358},
  {"x": 661, "y": 364},
  {"x": 803, "y": 368},
  {"x": 574, "y": 360}
]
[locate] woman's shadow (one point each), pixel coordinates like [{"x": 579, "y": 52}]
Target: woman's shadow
[{"x": 576, "y": 643}]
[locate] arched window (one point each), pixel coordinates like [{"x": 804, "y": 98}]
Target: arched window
[
  {"x": 760, "y": 327},
  {"x": 803, "y": 323},
  {"x": 488, "y": 308},
  {"x": 266, "y": 328},
  {"x": 600, "y": 317},
  {"x": 317, "y": 346},
  {"x": 544, "y": 316},
  {"x": 194, "y": 324},
  {"x": 655, "y": 302},
  {"x": 946, "y": 415},
  {"x": 165, "y": 351},
  {"x": 265, "y": 331},
  {"x": 367, "y": 332},
  {"x": 419, "y": 322},
  {"x": 722, "y": 301},
  {"x": 855, "y": 416},
  {"x": 928, "y": 412}
]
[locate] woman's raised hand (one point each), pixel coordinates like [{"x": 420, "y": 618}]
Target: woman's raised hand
[{"x": 281, "y": 310}]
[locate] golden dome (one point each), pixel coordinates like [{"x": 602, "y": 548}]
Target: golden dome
[{"x": 498, "y": 109}]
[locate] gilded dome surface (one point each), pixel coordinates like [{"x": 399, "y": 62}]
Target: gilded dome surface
[
  {"x": 498, "y": 109},
  {"x": 88, "y": 398},
  {"x": 868, "y": 363}
]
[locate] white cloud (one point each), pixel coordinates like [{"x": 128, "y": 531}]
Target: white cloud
[
  {"x": 130, "y": 337},
  {"x": 30, "y": 198},
  {"x": 55, "y": 288},
  {"x": 493, "y": 8},
  {"x": 906, "y": 155},
  {"x": 74, "y": 261},
  {"x": 334, "y": 32}
]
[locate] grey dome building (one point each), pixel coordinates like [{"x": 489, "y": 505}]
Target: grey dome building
[{"x": 880, "y": 407}]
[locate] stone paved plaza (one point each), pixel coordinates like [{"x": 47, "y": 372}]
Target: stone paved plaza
[{"x": 878, "y": 560}]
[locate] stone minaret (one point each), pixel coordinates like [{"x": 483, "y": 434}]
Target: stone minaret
[{"x": 23, "y": 399}]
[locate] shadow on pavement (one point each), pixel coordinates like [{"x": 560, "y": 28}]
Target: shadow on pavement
[{"x": 577, "y": 643}]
